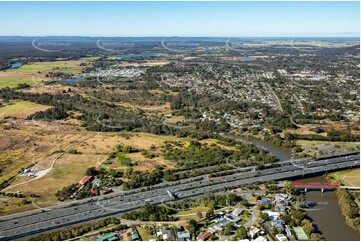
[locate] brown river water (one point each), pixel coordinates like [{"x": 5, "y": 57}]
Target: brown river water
[{"x": 326, "y": 214}]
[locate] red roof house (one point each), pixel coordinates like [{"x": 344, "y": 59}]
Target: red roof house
[
  {"x": 85, "y": 180},
  {"x": 205, "y": 236}
]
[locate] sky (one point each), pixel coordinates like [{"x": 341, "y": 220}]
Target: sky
[{"x": 185, "y": 19}]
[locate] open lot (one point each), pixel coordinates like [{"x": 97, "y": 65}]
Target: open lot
[
  {"x": 21, "y": 109},
  {"x": 192, "y": 213},
  {"x": 29, "y": 145},
  {"x": 347, "y": 177},
  {"x": 144, "y": 234}
]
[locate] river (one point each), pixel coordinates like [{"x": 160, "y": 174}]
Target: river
[
  {"x": 281, "y": 152},
  {"x": 327, "y": 214}
]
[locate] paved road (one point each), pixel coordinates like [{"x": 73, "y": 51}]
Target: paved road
[
  {"x": 253, "y": 212},
  {"x": 40, "y": 220}
]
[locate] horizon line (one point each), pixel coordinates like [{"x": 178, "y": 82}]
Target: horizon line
[{"x": 160, "y": 36}]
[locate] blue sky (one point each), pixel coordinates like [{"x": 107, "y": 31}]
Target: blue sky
[{"x": 227, "y": 19}]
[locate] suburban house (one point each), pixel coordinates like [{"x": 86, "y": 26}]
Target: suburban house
[
  {"x": 108, "y": 237},
  {"x": 84, "y": 181},
  {"x": 281, "y": 237},
  {"x": 205, "y": 236},
  {"x": 182, "y": 236}
]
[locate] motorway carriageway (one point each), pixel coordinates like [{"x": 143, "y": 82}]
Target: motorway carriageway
[{"x": 56, "y": 217}]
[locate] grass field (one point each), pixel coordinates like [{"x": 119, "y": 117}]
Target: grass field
[
  {"x": 34, "y": 73},
  {"x": 302, "y": 130},
  {"x": 347, "y": 177},
  {"x": 69, "y": 169},
  {"x": 318, "y": 142},
  {"x": 90, "y": 58},
  {"x": 15, "y": 81},
  {"x": 174, "y": 119},
  {"x": 36, "y": 67},
  {"x": 21, "y": 109},
  {"x": 22, "y": 147},
  {"x": 144, "y": 234},
  {"x": 192, "y": 213}
]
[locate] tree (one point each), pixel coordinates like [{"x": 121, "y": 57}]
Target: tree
[
  {"x": 290, "y": 188},
  {"x": 307, "y": 227},
  {"x": 192, "y": 226},
  {"x": 297, "y": 216},
  {"x": 227, "y": 229},
  {"x": 241, "y": 233},
  {"x": 210, "y": 213},
  {"x": 316, "y": 237},
  {"x": 263, "y": 216},
  {"x": 91, "y": 171}
]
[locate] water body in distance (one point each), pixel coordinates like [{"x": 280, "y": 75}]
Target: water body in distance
[
  {"x": 247, "y": 59},
  {"x": 15, "y": 65},
  {"x": 135, "y": 56},
  {"x": 72, "y": 80}
]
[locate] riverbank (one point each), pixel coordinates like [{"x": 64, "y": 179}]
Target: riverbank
[
  {"x": 327, "y": 214},
  {"x": 348, "y": 201},
  {"x": 349, "y": 208}
]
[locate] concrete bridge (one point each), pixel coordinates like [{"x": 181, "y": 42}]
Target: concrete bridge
[
  {"x": 350, "y": 187},
  {"x": 318, "y": 186}
]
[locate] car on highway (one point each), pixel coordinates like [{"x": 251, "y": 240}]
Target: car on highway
[{"x": 148, "y": 200}]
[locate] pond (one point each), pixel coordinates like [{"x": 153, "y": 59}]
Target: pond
[
  {"x": 15, "y": 65},
  {"x": 71, "y": 80}
]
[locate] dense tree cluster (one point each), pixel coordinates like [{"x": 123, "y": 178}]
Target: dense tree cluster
[
  {"x": 75, "y": 231},
  {"x": 151, "y": 212},
  {"x": 138, "y": 179},
  {"x": 343, "y": 136},
  {"x": 65, "y": 192},
  {"x": 350, "y": 208},
  {"x": 198, "y": 155},
  {"x": 49, "y": 114}
]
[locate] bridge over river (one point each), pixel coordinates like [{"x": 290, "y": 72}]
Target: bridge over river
[{"x": 318, "y": 186}]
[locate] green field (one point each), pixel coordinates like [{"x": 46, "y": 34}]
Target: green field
[
  {"x": 144, "y": 234},
  {"x": 24, "y": 74},
  {"x": 194, "y": 210},
  {"x": 21, "y": 109},
  {"x": 90, "y": 58},
  {"x": 123, "y": 159},
  {"x": 34, "y": 73},
  {"x": 191, "y": 213},
  {"x": 347, "y": 177},
  {"x": 14, "y": 81},
  {"x": 36, "y": 68}
]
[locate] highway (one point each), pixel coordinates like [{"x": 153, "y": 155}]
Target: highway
[{"x": 24, "y": 224}]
